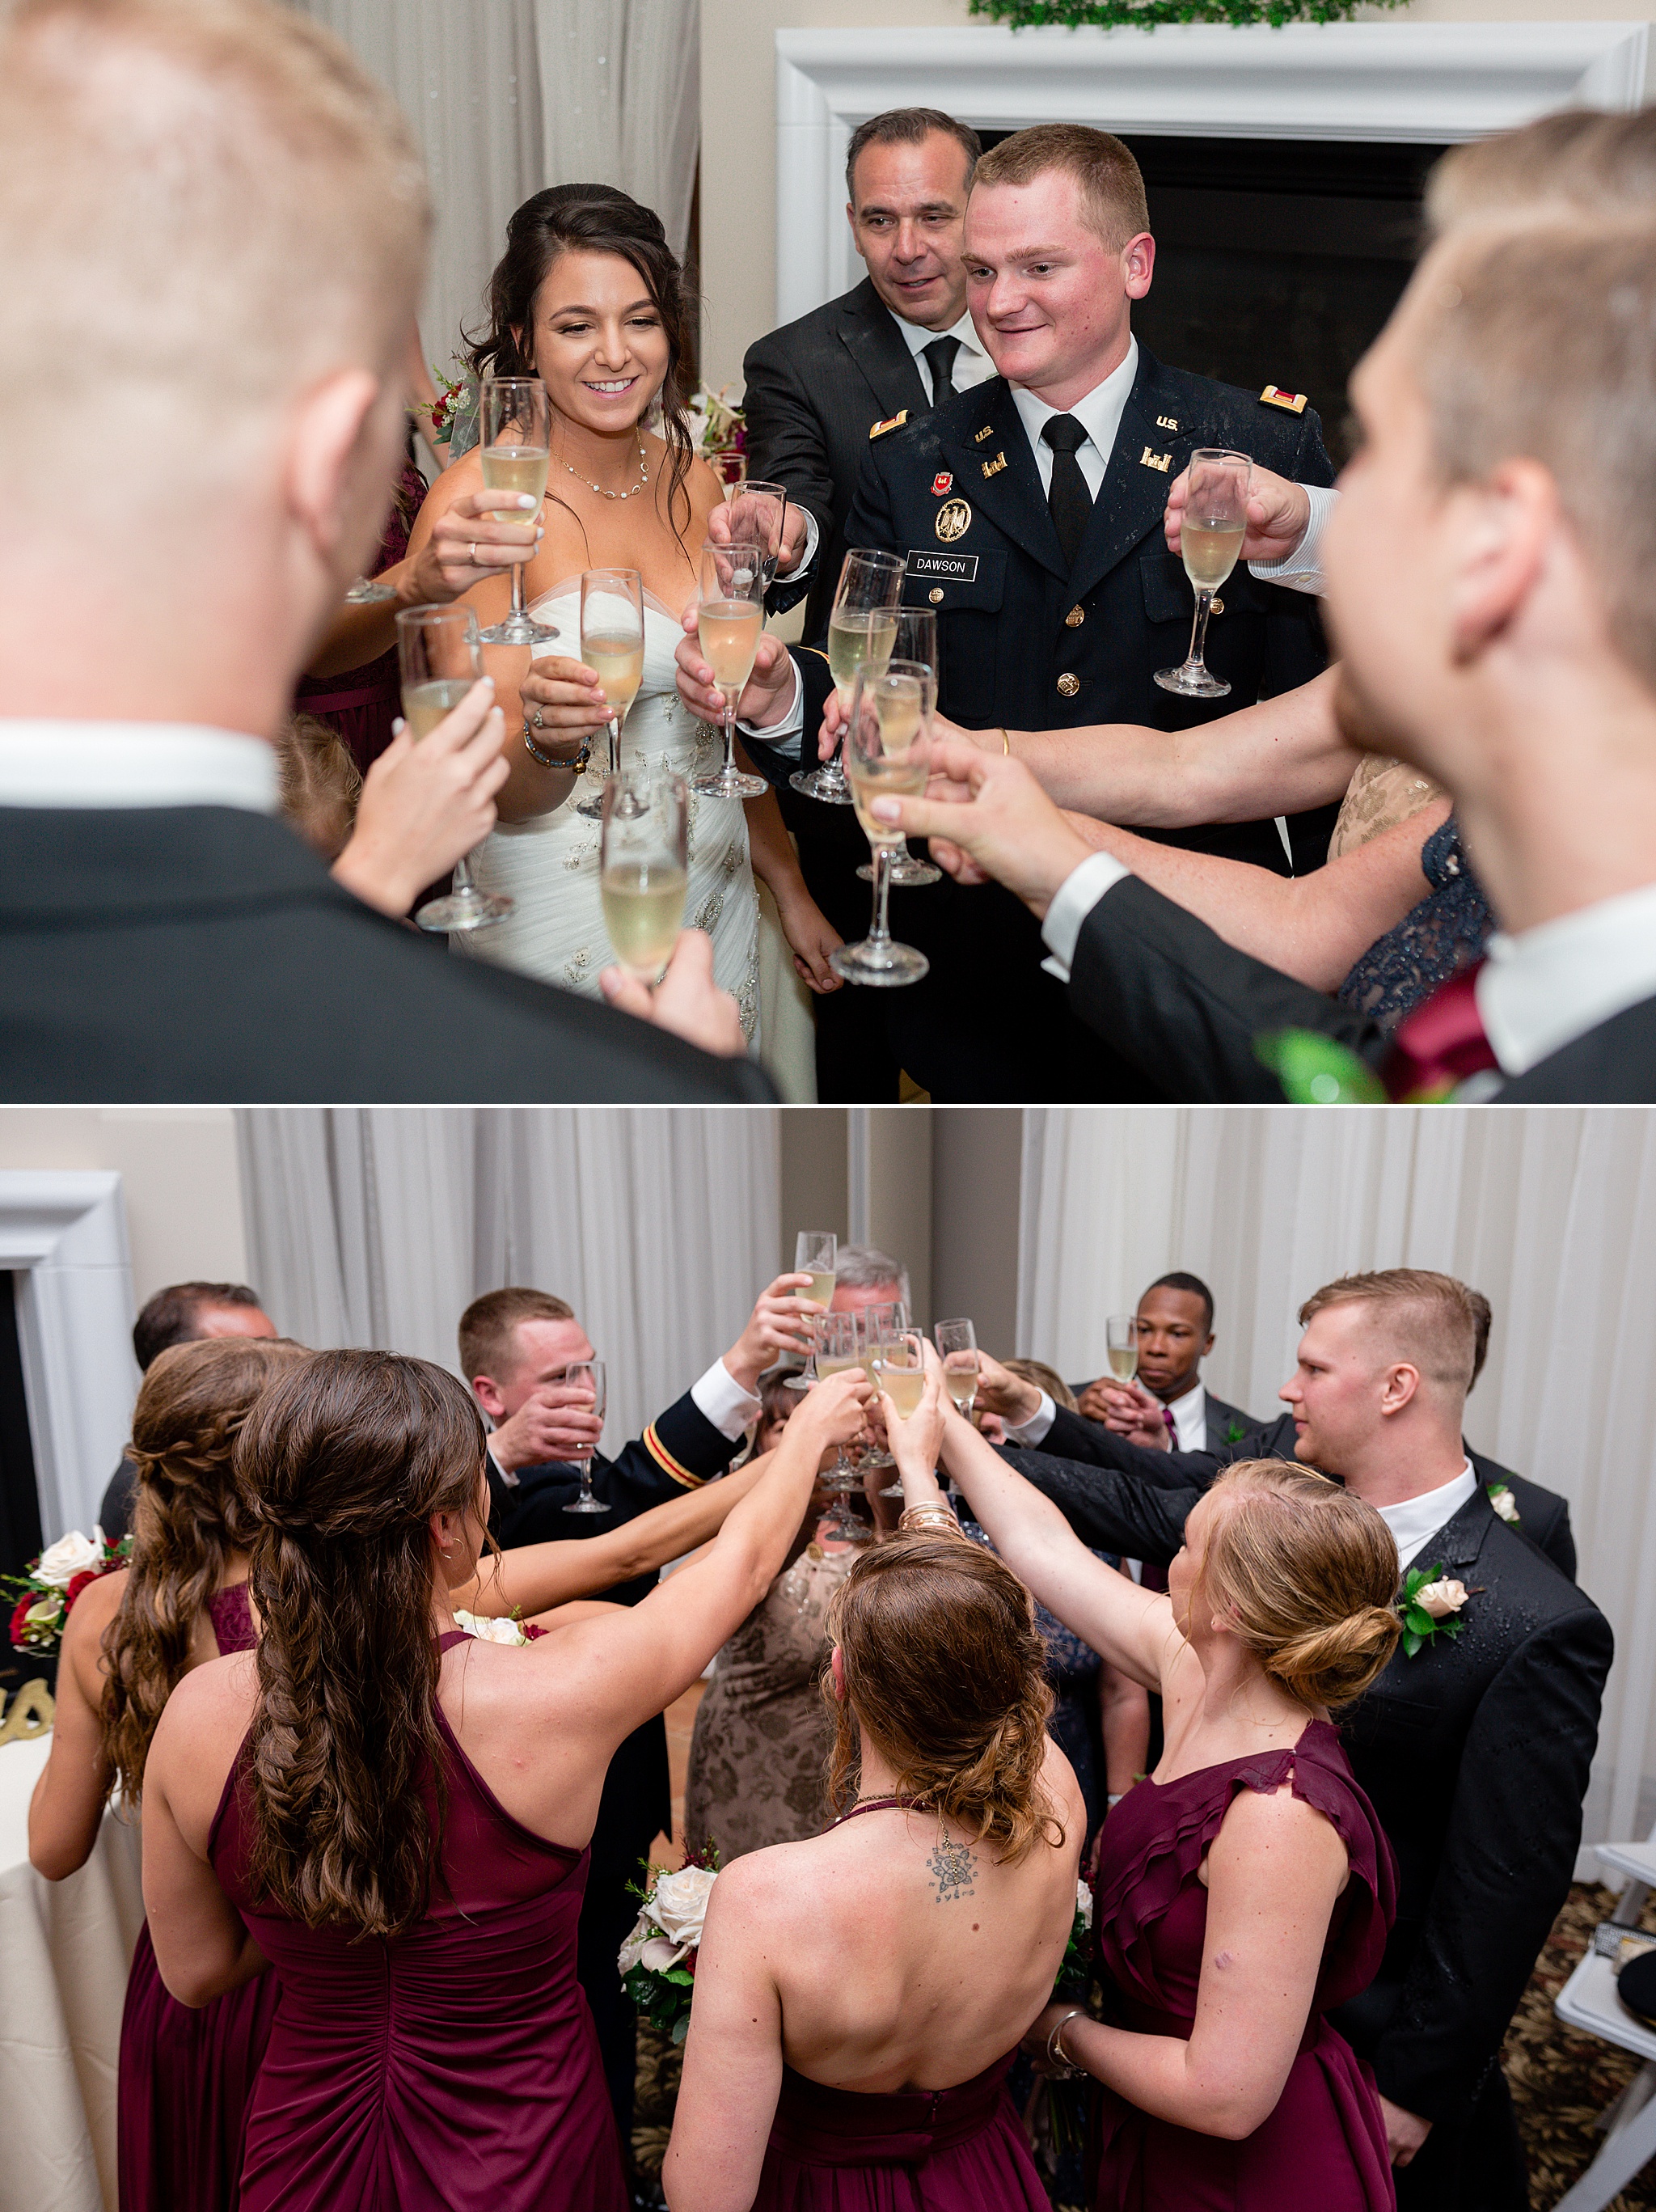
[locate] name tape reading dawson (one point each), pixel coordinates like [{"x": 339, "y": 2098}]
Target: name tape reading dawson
[{"x": 961, "y": 568}]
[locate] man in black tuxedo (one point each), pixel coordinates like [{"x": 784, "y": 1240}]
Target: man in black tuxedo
[
  {"x": 1475, "y": 1750},
  {"x": 1465, "y": 666},
  {"x": 516, "y": 1347},
  {"x": 1174, "y": 1335},
  {"x": 1030, "y": 512},
  {"x": 162, "y": 934}
]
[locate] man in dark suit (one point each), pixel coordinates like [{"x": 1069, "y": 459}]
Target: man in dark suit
[
  {"x": 516, "y": 1347},
  {"x": 1030, "y": 512},
  {"x": 1466, "y": 677},
  {"x": 1463, "y": 1747},
  {"x": 180, "y": 1313},
  {"x": 1174, "y": 1335},
  {"x": 162, "y": 936}
]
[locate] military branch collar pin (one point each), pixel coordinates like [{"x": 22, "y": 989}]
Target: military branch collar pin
[
  {"x": 1150, "y": 460},
  {"x": 993, "y": 468},
  {"x": 1428, "y": 1603}
]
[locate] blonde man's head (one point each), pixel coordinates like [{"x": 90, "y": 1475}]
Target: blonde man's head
[{"x": 207, "y": 209}]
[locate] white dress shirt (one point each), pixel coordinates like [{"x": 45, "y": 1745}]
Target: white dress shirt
[
  {"x": 1540, "y": 990},
  {"x": 1099, "y": 414},
  {"x": 972, "y": 365},
  {"x": 1418, "y": 1520},
  {"x": 1303, "y": 570},
  {"x": 98, "y": 765},
  {"x": 1190, "y": 1418}
]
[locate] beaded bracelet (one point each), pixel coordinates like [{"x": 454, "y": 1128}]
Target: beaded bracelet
[{"x": 549, "y": 760}]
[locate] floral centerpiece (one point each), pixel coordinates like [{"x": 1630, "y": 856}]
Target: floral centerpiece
[
  {"x": 48, "y": 1591},
  {"x": 720, "y": 433},
  {"x": 657, "y": 1960}
]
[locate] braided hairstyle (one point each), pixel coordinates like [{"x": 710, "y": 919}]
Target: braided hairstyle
[
  {"x": 945, "y": 1674},
  {"x": 187, "y": 1519},
  {"x": 1307, "y": 1575},
  {"x": 342, "y": 1463}
]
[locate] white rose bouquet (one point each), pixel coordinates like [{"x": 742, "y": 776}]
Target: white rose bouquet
[
  {"x": 657, "y": 1960},
  {"x": 502, "y": 1628},
  {"x": 48, "y": 1591}
]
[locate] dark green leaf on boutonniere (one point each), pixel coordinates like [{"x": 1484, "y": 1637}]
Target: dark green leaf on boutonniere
[
  {"x": 1235, "y": 1433},
  {"x": 1420, "y": 1627},
  {"x": 1315, "y": 1071}
]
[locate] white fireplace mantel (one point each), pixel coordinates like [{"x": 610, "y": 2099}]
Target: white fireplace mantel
[
  {"x": 65, "y": 1233},
  {"x": 1432, "y": 81}
]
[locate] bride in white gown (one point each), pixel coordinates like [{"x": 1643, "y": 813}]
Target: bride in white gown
[
  {"x": 548, "y": 863},
  {"x": 590, "y": 298}
]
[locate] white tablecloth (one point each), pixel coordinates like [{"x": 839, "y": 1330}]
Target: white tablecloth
[{"x": 64, "y": 1950}]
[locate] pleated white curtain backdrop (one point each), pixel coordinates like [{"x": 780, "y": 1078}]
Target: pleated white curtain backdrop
[
  {"x": 377, "y": 1226},
  {"x": 1551, "y": 1212},
  {"x": 508, "y": 96}
]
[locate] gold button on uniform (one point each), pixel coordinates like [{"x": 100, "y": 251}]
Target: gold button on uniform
[
  {"x": 1218, "y": 607},
  {"x": 1069, "y": 685},
  {"x": 1074, "y": 619},
  {"x": 935, "y": 595}
]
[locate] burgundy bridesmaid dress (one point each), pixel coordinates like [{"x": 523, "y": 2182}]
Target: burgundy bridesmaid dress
[
  {"x": 455, "y": 2069},
  {"x": 943, "y": 2150},
  {"x": 1323, "y": 2149},
  {"x": 186, "y": 2072}
]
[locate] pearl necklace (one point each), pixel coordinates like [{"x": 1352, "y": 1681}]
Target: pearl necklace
[{"x": 643, "y": 473}]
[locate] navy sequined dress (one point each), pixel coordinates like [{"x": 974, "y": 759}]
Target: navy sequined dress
[{"x": 1446, "y": 933}]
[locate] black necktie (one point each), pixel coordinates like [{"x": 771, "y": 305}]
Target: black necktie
[
  {"x": 1068, "y": 500},
  {"x": 939, "y": 358}
]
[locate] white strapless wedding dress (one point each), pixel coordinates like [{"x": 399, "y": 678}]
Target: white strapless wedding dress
[{"x": 550, "y": 865}]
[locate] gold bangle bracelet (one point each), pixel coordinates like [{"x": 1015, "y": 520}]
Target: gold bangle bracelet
[{"x": 927, "y": 1516}]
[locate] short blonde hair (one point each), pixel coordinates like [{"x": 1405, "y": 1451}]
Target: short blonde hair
[
  {"x": 1580, "y": 159},
  {"x": 1109, "y": 181},
  {"x": 206, "y": 206},
  {"x": 1308, "y": 1575},
  {"x": 1417, "y": 1315}
]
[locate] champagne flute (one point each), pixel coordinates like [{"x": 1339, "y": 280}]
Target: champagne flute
[
  {"x": 644, "y": 869},
  {"x": 838, "y": 1350},
  {"x": 862, "y": 627},
  {"x": 887, "y": 750},
  {"x": 1211, "y": 533},
  {"x": 917, "y": 639},
  {"x": 878, "y": 1325},
  {"x": 757, "y": 514},
  {"x": 1121, "y": 1344},
  {"x": 816, "y": 1254},
  {"x": 588, "y": 1373},
  {"x": 901, "y": 1373},
  {"x": 957, "y": 1347},
  {"x": 612, "y": 646},
  {"x": 440, "y": 657},
  {"x": 731, "y": 615},
  {"x": 515, "y": 435}
]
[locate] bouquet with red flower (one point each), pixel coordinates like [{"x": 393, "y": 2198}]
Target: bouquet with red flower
[
  {"x": 657, "y": 1960},
  {"x": 48, "y": 1591}
]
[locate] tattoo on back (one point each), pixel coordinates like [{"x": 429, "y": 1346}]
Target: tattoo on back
[{"x": 954, "y": 1865}]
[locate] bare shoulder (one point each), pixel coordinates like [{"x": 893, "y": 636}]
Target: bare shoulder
[
  {"x": 1058, "y": 1779},
  {"x": 459, "y": 476},
  {"x": 770, "y": 1885},
  {"x": 1278, "y": 1825},
  {"x": 93, "y": 1611},
  {"x": 209, "y": 1702}
]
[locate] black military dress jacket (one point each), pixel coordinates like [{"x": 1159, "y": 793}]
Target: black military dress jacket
[{"x": 1028, "y": 642}]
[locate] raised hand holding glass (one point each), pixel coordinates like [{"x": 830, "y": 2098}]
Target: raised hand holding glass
[
  {"x": 515, "y": 431},
  {"x": 440, "y": 658},
  {"x": 1211, "y": 533},
  {"x": 731, "y": 617},
  {"x": 816, "y": 1254}
]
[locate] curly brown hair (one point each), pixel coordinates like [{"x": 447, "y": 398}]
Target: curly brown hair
[
  {"x": 342, "y": 1463},
  {"x": 187, "y": 1519},
  {"x": 945, "y": 1673}
]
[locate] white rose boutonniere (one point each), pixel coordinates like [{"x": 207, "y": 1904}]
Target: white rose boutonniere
[
  {"x": 1505, "y": 1503},
  {"x": 1430, "y": 1603}
]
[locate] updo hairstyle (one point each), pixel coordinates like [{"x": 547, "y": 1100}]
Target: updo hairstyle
[
  {"x": 1308, "y": 1575},
  {"x": 945, "y": 1674},
  {"x": 342, "y": 1463}
]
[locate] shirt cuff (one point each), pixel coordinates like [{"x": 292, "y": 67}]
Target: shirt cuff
[
  {"x": 720, "y": 1398},
  {"x": 1303, "y": 570},
  {"x": 813, "y": 541},
  {"x": 784, "y": 737},
  {"x": 1032, "y": 1431},
  {"x": 1076, "y": 897}
]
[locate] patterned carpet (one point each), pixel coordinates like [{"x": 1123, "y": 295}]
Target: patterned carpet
[{"x": 1561, "y": 2081}]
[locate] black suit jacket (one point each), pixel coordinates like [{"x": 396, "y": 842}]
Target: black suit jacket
[
  {"x": 1475, "y": 1755},
  {"x": 1029, "y": 641},
  {"x": 1187, "y": 1011},
  {"x": 679, "y": 1451},
  {"x": 1543, "y": 1517},
  {"x": 204, "y": 952}
]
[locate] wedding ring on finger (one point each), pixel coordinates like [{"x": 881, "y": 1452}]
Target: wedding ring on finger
[
  {"x": 474, "y": 553},
  {"x": 536, "y": 718}
]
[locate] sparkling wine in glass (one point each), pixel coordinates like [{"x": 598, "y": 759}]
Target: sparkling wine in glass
[
  {"x": 515, "y": 434},
  {"x": 816, "y": 1254},
  {"x": 644, "y": 870},
  {"x": 887, "y": 748},
  {"x": 957, "y": 1347},
  {"x": 862, "y": 627},
  {"x": 612, "y": 646},
  {"x": 1211, "y": 533},
  {"x": 587, "y": 1375},
  {"x": 917, "y": 639},
  {"x": 1121, "y": 1345},
  {"x": 440, "y": 658},
  {"x": 877, "y": 1326},
  {"x": 756, "y": 513},
  {"x": 837, "y": 1350},
  {"x": 732, "y": 615}
]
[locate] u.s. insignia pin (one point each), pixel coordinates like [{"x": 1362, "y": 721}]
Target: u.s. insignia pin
[
  {"x": 953, "y": 520},
  {"x": 941, "y": 482},
  {"x": 1166, "y": 422},
  {"x": 987, "y": 431}
]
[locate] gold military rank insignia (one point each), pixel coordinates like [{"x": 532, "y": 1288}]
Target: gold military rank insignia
[
  {"x": 1150, "y": 460},
  {"x": 1166, "y": 422},
  {"x": 987, "y": 431},
  {"x": 1274, "y": 396},
  {"x": 953, "y": 520},
  {"x": 891, "y": 422},
  {"x": 993, "y": 468}
]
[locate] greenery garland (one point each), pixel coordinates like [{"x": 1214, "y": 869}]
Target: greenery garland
[{"x": 1147, "y": 14}]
